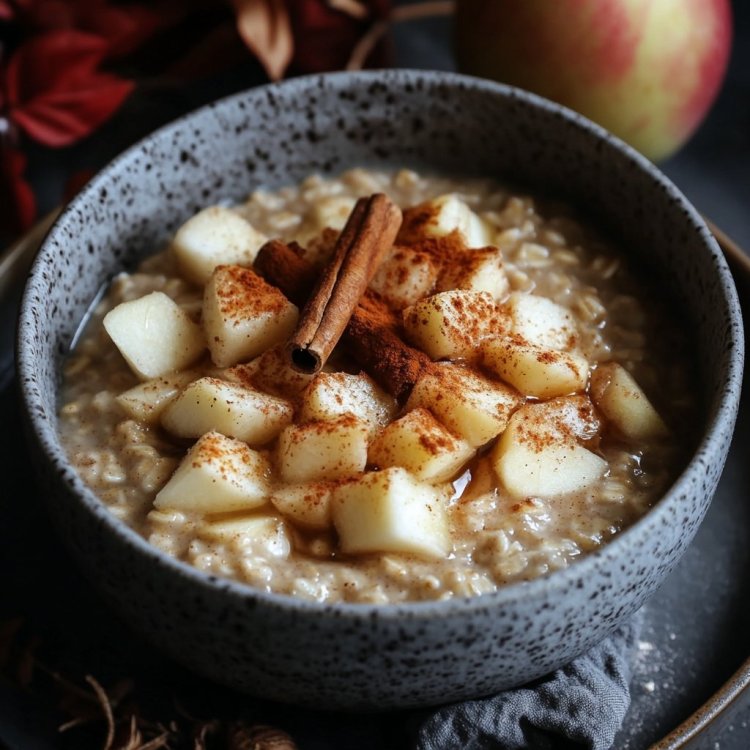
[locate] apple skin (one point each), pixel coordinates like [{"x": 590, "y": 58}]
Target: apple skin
[{"x": 647, "y": 70}]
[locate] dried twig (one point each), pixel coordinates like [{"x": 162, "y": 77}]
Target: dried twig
[
  {"x": 402, "y": 14},
  {"x": 106, "y": 707}
]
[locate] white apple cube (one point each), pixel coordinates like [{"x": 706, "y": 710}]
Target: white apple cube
[
  {"x": 307, "y": 505},
  {"x": 215, "y": 236},
  {"x": 535, "y": 370},
  {"x": 333, "y": 394},
  {"x": 317, "y": 246},
  {"x": 624, "y": 404},
  {"x": 443, "y": 215},
  {"x": 270, "y": 372},
  {"x": 451, "y": 325},
  {"x": 154, "y": 335},
  {"x": 325, "y": 450},
  {"x": 422, "y": 446},
  {"x": 567, "y": 416},
  {"x": 331, "y": 212},
  {"x": 243, "y": 315},
  {"x": 233, "y": 410},
  {"x": 405, "y": 277},
  {"x": 533, "y": 462},
  {"x": 391, "y": 511},
  {"x": 542, "y": 322},
  {"x": 469, "y": 404},
  {"x": 146, "y": 401},
  {"x": 259, "y": 532},
  {"x": 479, "y": 270},
  {"x": 217, "y": 475}
]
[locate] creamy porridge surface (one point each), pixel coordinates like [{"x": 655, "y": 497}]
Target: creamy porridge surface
[{"x": 476, "y": 509}]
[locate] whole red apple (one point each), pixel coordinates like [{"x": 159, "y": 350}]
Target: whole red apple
[{"x": 648, "y": 70}]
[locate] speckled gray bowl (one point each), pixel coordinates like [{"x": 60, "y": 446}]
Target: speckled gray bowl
[{"x": 360, "y": 656}]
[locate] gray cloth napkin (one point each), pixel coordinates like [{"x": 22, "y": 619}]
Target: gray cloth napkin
[{"x": 581, "y": 705}]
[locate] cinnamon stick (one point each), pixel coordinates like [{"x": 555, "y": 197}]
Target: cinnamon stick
[
  {"x": 371, "y": 335},
  {"x": 369, "y": 233}
]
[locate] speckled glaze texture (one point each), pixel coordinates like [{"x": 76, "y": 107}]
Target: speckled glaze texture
[{"x": 360, "y": 656}]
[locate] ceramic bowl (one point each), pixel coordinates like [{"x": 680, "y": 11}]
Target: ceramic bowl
[{"x": 354, "y": 656}]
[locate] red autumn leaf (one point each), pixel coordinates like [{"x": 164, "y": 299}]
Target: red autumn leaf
[
  {"x": 264, "y": 27},
  {"x": 123, "y": 27},
  {"x": 54, "y": 91},
  {"x": 17, "y": 204}
]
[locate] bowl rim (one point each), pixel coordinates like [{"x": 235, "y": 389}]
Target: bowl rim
[{"x": 719, "y": 421}]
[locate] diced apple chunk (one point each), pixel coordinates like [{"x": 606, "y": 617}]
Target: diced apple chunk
[
  {"x": 542, "y": 322},
  {"x": 270, "y": 372},
  {"x": 535, "y": 370},
  {"x": 390, "y": 511},
  {"x": 482, "y": 480},
  {"x": 333, "y": 394},
  {"x": 322, "y": 450},
  {"x": 405, "y": 277},
  {"x": 624, "y": 404},
  {"x": 213, "y": 404},
  {"x": 257, "y": 532},
  {"x": 570, "y": 416},
  {"x": 243, "y": 315},
  {"x": 533, "y": 461},
  {"x": 453, "y": 324},
  {"x": 215, "y": 236},
  {"x": 472, "y": 406},
  {"x": 217, "y": 475},
  {"x": 317, "y": 246},
  {"x": 146, "y": 401},
  {"x": 421, "y": 445},
  {"x": 307, "y": 504},
  {"x": 441, "y": 216},
  {"x": 478, "y": 270},
  {"x": 154, "y": 335},
  {"x": 331, "y": 212}
]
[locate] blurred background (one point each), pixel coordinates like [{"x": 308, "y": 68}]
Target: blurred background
[{"x": 80, "y": 80}]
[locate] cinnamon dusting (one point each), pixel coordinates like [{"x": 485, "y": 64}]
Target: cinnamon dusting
[{"x": 371, "y": 336}]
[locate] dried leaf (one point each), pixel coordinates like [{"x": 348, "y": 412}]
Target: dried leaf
[
  {"x": 54, "y": 91},
  {"x": 353, "y": 8},
  {"x": 265, "y": 28},
  {"x": 123, "y": 27}
]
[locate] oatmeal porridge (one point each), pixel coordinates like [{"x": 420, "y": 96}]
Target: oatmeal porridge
[{"x": 505, "y": 397}]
